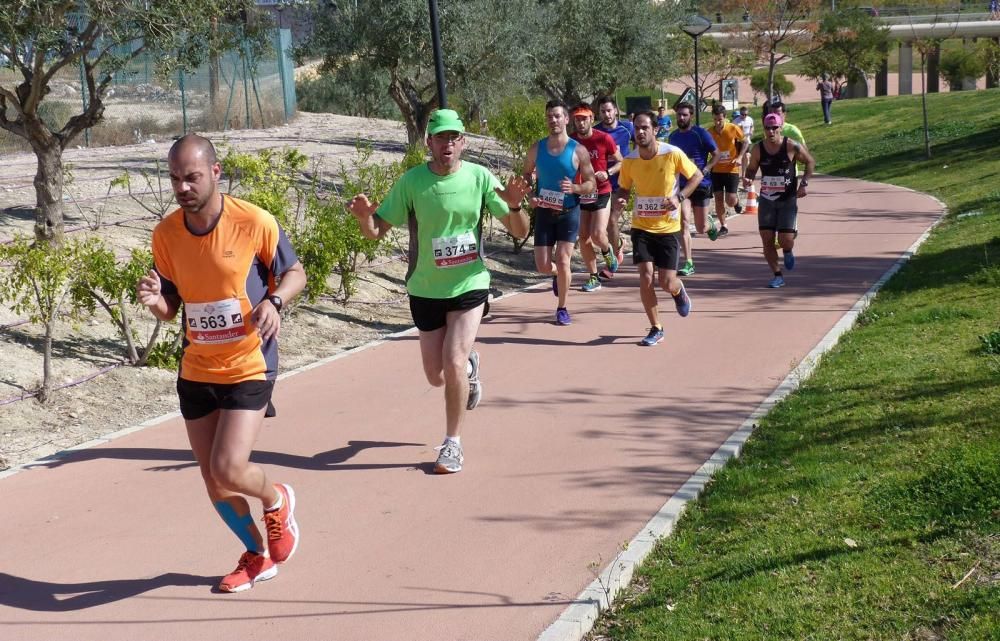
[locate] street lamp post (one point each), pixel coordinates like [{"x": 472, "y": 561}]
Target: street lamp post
[{"x": 694, "y": 27}]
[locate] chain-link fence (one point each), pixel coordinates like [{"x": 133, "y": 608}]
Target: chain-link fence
[{"x": 236, "y": 90}]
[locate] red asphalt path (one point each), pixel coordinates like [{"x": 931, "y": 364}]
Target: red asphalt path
[{"x": 581, "y": 437}]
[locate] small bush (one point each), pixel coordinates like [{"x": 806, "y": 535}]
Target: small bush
[{"x": 991, "y": 342}]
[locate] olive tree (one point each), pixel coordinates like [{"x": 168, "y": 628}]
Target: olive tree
[
  {"x": 483, "y": 42},
  {"x": 42, "y": 38}
]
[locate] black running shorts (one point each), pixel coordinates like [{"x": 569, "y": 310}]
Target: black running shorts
[
  {"x": 201, "y": 399},
  {"x": 663, "y": 250},
  {"x": 430, "y": 314}
]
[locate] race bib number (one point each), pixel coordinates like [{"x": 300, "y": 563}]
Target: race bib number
[
  {"x": 772, "y": 186},
  {"x": 723, "y": 155},
  {"x": 452, "y": 251},
  {"x": 551, "y": 199},
  {"x": 215, "y": 323},
  {"x": 588, "y": 199},
  {"x": 654, "y": 207}
]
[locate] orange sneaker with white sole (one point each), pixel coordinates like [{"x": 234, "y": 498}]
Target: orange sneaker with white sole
[
  {"x": 282, "y": 530},
  {"x": 251, "y": 568}
]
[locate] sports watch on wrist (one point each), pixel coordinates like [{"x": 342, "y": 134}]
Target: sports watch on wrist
[
  {"x": 804, "y": 182},
  {"x": 681, "y": 197},
  {"x": 276, "y": 301}
]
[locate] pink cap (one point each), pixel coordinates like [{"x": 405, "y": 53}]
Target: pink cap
[{"x": 773, "y": 120}]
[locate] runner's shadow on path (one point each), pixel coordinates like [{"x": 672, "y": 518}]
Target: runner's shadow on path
[
  {"x": 331, "y": 460},
  {"x": 43, "y": 596}
]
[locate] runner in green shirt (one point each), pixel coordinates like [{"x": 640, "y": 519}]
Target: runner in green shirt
[{"x": 442, "y": 202}]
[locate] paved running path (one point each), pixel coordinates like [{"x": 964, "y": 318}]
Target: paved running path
[{"x": 581, "y": 437}]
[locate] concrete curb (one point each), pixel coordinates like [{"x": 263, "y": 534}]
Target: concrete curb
[{"x": 579, "y": 618}]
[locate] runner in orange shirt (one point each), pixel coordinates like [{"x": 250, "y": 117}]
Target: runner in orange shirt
[
  {"x": 726, "y": 173},
  {"x": 232, "y": 267}
]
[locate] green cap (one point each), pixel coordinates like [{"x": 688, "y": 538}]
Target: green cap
[{"x": 444, "y": 120}]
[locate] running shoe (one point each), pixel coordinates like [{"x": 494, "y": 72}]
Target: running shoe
[
  {"x": 620, "y": 254},
  {"x": 605, "y": 273},
  {"x": 282, "y": 530},
  {"x": 723, "y": 231},
  {"x": 450, "y": 458},
  {"x": 555, "y": 286},
  {"x": 654, "y": 336},
  {"x": 611, "y": 261},
  {"x": 738, "y": 208},
  {"x": 683, "y": 302},
  {"x": 475, "y": 385},
  {"x": 713, "y": 233},
  {"x": 687, "y": 269},
  {"x": 776, "y": 282},
  {"x": 562, "y": 316},
  {"x": 592, "y": 285},
  {"x": 252, "y": 567},
  {"x": 789, "y": 260}
]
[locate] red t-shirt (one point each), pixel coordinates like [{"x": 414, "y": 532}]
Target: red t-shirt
[{"x": 602, "y": 149}]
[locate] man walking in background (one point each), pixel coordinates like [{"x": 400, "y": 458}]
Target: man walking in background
[{"x": 825, "y": 89}]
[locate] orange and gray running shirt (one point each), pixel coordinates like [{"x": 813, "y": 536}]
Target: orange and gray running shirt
[{"x": 220, "y": 276}]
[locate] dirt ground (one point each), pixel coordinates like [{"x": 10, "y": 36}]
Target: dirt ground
[{"x": 126, "y": 396}]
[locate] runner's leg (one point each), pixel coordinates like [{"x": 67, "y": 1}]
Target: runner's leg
[
  {"x": 459, "y": 335},
  {"x": 588, "y": 221},
  {"x": 233, "y": 508},
  {"x": 647, "y": 293},
  {"x": 770, "y": 252},
  {"x": 563, "y": 263}
]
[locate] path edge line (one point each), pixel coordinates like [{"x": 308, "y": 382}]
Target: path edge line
[{"x": 578, "y": 619}]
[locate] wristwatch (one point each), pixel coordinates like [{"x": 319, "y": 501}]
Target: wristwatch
[
  {"x": 804, "y": 182},
  {"x": 681, "y": 197},
  {"x": 276, "y": 301}
]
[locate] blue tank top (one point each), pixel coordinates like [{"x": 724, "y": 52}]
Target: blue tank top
[{"x": 553, "y": 169}]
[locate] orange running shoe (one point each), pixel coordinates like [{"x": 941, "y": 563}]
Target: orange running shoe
[
  {"x": 252, "y": 567},
  {"x": 282, "y": 530}
]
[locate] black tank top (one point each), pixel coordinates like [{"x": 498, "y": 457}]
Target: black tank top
[{"x": 778, "y": 181}]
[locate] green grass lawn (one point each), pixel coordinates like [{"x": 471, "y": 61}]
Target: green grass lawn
[{"x": 863, "y": 500}]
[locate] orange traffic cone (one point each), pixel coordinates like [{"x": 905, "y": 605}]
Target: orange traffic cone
[{"x": 750, "y": 208}]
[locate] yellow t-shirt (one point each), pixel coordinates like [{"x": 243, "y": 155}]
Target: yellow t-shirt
[
  {"x": 654, "y": 181},
  {"x": 728, "y": 141}
]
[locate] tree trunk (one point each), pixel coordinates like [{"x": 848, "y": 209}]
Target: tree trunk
[
  {"x": 45, "y": 393},
  {"x": 414, "y": 110},
  {"x": 48, "y": 194}
]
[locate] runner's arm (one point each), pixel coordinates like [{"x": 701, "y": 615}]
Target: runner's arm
[
  {"x": 529, "y": 164},
  {"x": 619, "y": 198},
  {"x": 615, "y": 168},
  {"x": 751, "y": 171},
  {"x": 588, "y": 183},
  {"x": 149, "y": 292},
  {"x": 372, "y": 227},
  {"x": 516, "y": 221}
]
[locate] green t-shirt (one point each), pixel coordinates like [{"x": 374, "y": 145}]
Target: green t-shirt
[
  {"x": 791, "y": 131},
  {"x": 444, "y": 215}
]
